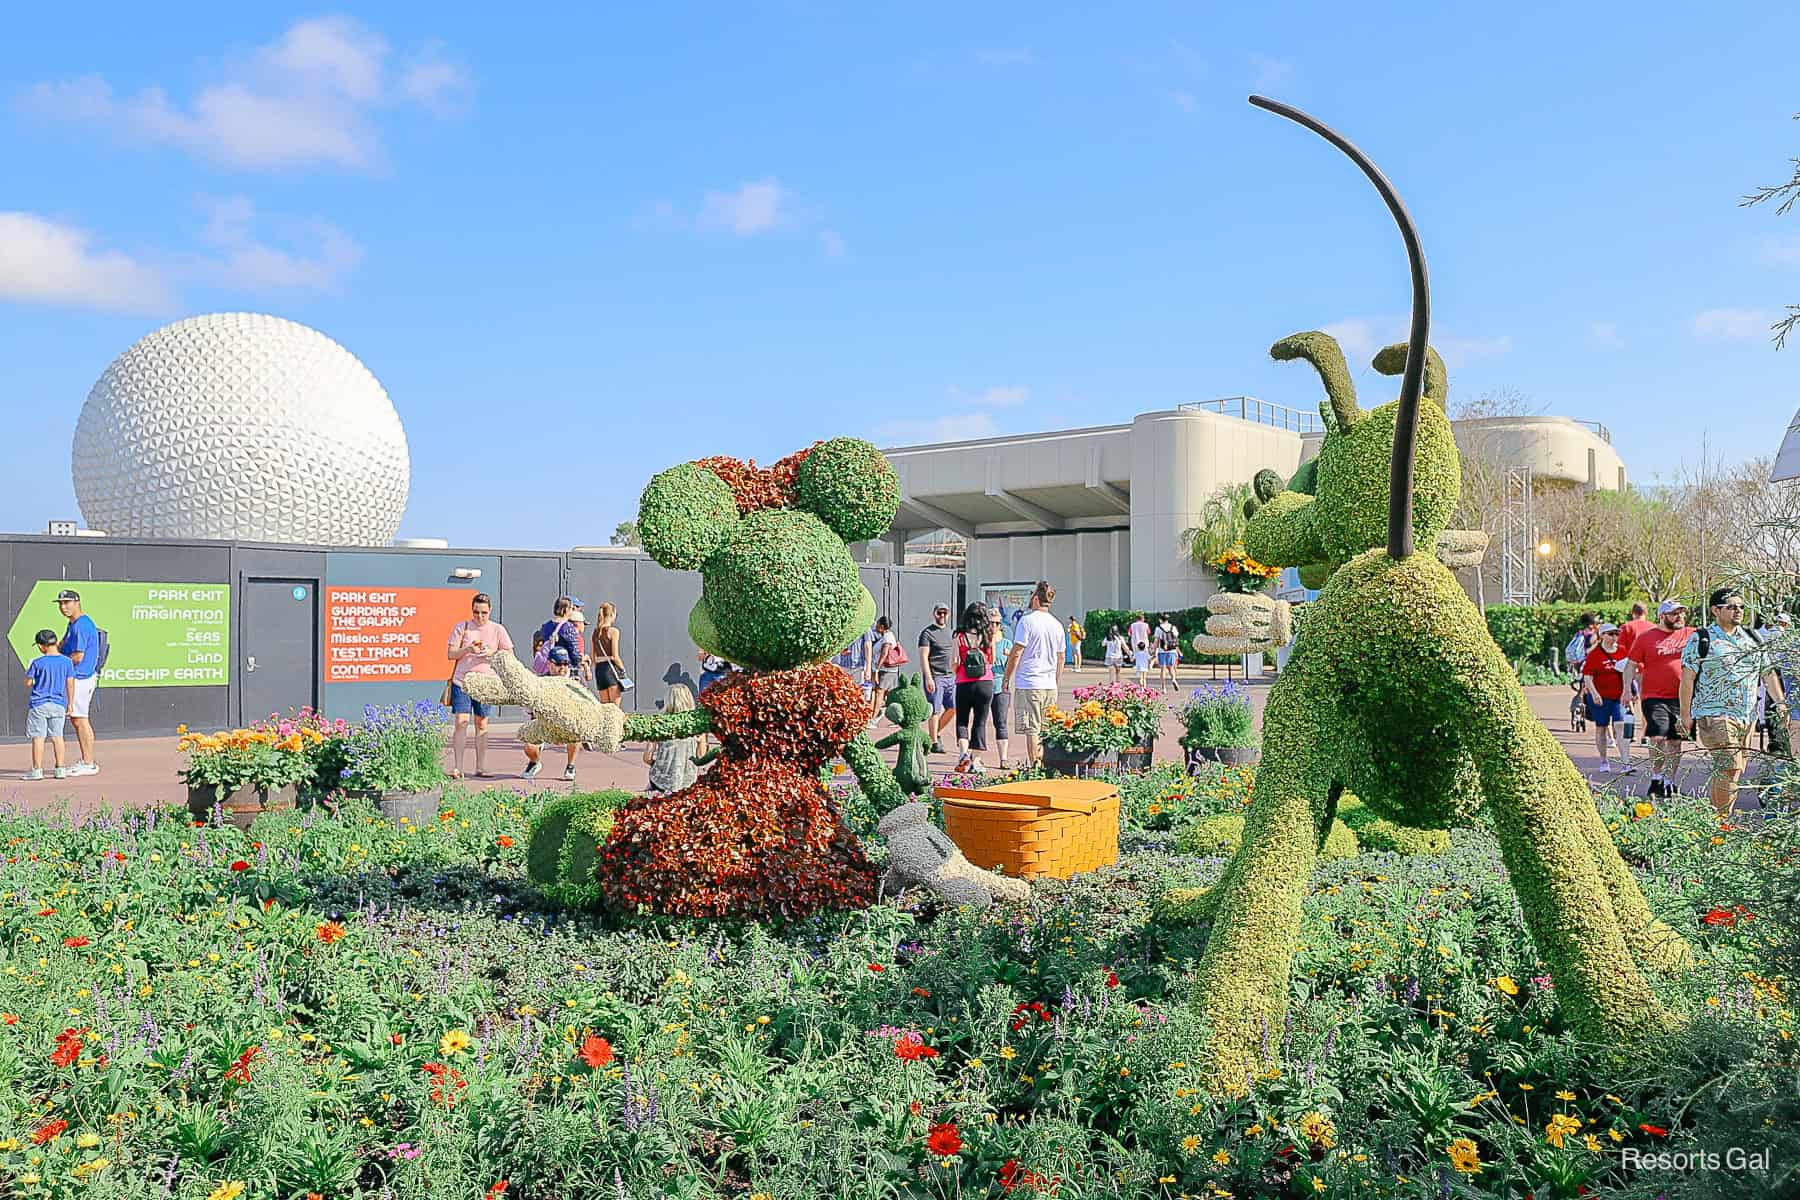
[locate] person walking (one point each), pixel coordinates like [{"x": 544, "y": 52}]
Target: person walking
[
  {"x": 81, "y": 646},
  {"x": 1628, "y": 633},
  {"x": 1002, "y": 710},
  {"x": 1604, "y": 687},
  {"x": 560, "y": 630},
  {"x": 1168, "y": 652},
  {"x": 473, "y": 644},
  {"x": 884, "y": 664},
  {"x": 560, "y": 668},
  {"x": 974, "y": 674},
  {"x": 1034, "y": 668},
  {"x": 48, "y": 681},
  {"x": 1721, "y": 668},
  {"x": 671, "y": 762},
  {"x": 1115, "y": 652},
  {"x": 1077, "y": 635},
  {"x": 609, "y": 667},
  {"x": 937, "y": 663},
  {"x": 1655, "y": 668}
]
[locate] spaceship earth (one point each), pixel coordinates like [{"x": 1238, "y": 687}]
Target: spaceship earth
[{"x": 241, "y": 426}]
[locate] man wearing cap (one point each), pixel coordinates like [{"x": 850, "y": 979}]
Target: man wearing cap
[
  {"x": 937, "y": 647},
  {"x": 81, "y": 644},
  {"x": 1720, "y": 670},
  {"x": 1654, "y": 665},
  {"x": 1603, "y": 689}
]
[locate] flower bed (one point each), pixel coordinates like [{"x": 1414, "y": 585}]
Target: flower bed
[
  {"x": 1143, "y": 707},
  {"x": 397, "y": 748}
]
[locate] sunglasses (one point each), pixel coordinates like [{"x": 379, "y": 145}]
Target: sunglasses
[{"x": 1732, "y": 607}]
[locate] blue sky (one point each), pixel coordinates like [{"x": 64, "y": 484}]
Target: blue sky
[{"x": 735, "y": 230}]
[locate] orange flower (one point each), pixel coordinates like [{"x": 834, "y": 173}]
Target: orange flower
[
  {"x": 504, "y": 841},
  {"x": 48, "y": 1130},
  {"x": 330, "y": 931},
  {"x": 595, "y": 1051}
]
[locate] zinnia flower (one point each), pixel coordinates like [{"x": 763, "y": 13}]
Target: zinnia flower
[
  {"x": 1464, "y": 1157},
  {"x": 330, "y": 931},
  {"x": 240, "y": 865},
  {"x": 912, "y": 1048},
  {"x": 504, "y": 841},
  {"x": 944, "y": 1140},
  {"x": 229, "y": 1190},
  {"x": 595, "y": 1051},
  {"x": 1506, "y": 984},
  {"x": 49, "y": 1129}
]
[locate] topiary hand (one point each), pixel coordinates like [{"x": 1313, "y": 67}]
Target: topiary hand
[
  {"x": 1246, "y": 623},
  {"x": 565, "y": 713}
]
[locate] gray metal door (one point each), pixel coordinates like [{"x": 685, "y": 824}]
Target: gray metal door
[{"x": 278, "y": 640}]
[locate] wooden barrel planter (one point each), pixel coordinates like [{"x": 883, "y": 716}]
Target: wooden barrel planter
[
  {"x": 1053, "y": 827},
  {"x": 1138, "y": 757},
  {"x": 1077, "y": 764},
  {"x": 240, "y": 806},
  {"x": 414, "y": 808},
  {"x": 1225, "y": 756}
]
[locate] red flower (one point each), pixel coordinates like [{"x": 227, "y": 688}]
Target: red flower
[
  {"x": 240, "y": 865},
  {"x": 48, "y": 1130},
  {"x": 330, "y": 931},
  {"x": 924, "y": 992},
  {"x": 1720, "y": 918},
  {"x": 68, "y": 1047},
  {"x": 240, "y": 1069},
  {"x": 496, "y": 1191},
  {"x": 1112, "y": 979},
  {"x": 912, "y": 1049},
  {"x": 75, "y": 943},
  {"x": 944, "y": 1140},
  {"x": 504, "y": 841},
  {"x": 9, "y": 1018},
  {"x": 877, "y": 968},
  {"x": 595, "y": 1051},
  {"x": 46, "y": 912},
  {"x": 1654, "y": 1130}
]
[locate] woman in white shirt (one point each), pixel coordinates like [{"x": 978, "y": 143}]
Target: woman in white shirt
[
  {"x": 886, "y": 678},
  {"x": 1115, "y": 652}
]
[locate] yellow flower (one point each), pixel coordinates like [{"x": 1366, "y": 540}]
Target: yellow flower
[
  {"x": 454, "y": 1042},
  {"x": 229, "y": 1190},
  {"x": 1505, "y": 983},
  {"x": 1561, "y": 1126},
  {"x": 1592, "y": 1143},
  {"x": 1640, "y": 810},
  {"x": 1008, "y": 1052},
  {"x": 1565, "y": 1095},
  {"x": 1317, "y": 1128},
  {"x": 88, "y": 1141},
  {"x": 1223, "y": 1158},
  {"x": 1464, "y": 1157}
]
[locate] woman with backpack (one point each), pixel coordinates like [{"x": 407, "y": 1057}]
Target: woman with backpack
[
  {"x": 974, "y": 685},
  {"x": 885, "y": 663}
]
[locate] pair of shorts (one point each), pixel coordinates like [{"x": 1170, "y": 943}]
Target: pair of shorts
[
  {"x": 606, "y": 676},
  {"x": 1033, "y": 704},
  {"x": 1167, "y": 658},
  {"x": 1605, "y": 712},
  {"x": 81, "y": 696},
  {"x": 466, "y": 705},
  {"x": 1662, "y": 717},
  {"x": 943, "y": 694},
  {"x": 708, "y": 678},
  {"x": 889, "y": 679},
  {"x": 1729, "y": 740},
  {"x": 45, "y": 721}
]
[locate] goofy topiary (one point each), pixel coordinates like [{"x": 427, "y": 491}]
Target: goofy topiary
[{"x": 1395, "y": 691}]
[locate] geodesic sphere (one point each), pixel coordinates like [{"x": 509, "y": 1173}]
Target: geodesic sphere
[{"x": 245, "y": 426}]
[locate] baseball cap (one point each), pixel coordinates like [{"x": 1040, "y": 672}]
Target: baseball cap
[
  {"x": 46, "y": 637},
  {"x": 560, "y": 657},
  {"x": 575, "y": 602},
  {"x": 67, "y": 594},
  {"x": 1784, "y": 618},
  {"x": 1669, "y": 606},
  {"x": 1608, "y": 627}
]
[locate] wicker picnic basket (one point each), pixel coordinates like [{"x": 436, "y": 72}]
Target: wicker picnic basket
[{"x": 1054, "y": 827}]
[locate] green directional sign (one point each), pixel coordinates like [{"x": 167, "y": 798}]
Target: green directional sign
[{"x": 158, "y": 634}]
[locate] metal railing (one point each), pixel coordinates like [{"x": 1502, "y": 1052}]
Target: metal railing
[
  {"x": 1597, "y": 427},
  {"x": 1261, "y": 412}
]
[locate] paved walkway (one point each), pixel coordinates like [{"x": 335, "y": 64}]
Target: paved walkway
[{"x": 139, "y": 772}]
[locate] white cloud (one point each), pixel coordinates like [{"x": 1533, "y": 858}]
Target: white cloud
[
  {"x": 306, "y": 98},
  {"x": 1012, "y": 57},
  {"x": 751, "y": 209},
  {"x": 1361, "y": 337},
  {"x": 44, "y": 262},
  {"x": 1268, "y": 73},
  {"x": 993, "y": 397},
  {"x": 1606, "y": 334},
  {"x": 1780, "y": 252},
  {"x": 832, "y": 243},
  {"x": 247, "y": 262},
  {"x": 1458, "y": 352},
  {"x": 956, "y": 427},
  {"x": 1732, "y": 324}
]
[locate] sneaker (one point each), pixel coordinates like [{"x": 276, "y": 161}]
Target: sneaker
[
  {"x": 1606, "y": 768},
  {"x": 532, "y": 769},
  {"x": 1655, "y": 791},
  {"x": 85, "y": 768},
  {"x": 33, "y": 775},
  {"x": 60, "y": 773},
  {"x": 568, "y": 774},
  {"x": 976, "y": 765},
  {"x": 936, "y": 748},
  {"x": 962, "y": 767}
]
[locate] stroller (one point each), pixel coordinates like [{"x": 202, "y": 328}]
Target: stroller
[{"x": 1578, "y": 708}]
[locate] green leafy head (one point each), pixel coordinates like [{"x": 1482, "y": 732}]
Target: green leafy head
[
  {"x": 779, "y": 588},
  {"x": 907, "y": 706},
  {"x": 1336, "y": 506}
]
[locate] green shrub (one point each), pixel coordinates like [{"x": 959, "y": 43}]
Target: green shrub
[
  {"x": 1532, "y": 631},
  {"x": 1219, "y": 716},
  {"x": 1219, "y": 836},
  {"x": 565, "y": 842},
  {"x": 1189, "y": 621},
  {"x": 1378, "y": 833}
]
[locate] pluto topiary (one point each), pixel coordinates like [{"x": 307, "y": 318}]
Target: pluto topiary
[
  {"x": 565, "y": 845},
  {"x": 1222, "y": 833},
  {"x": 1395, "y": 691},
  {"x": 1380, "y": 834}
]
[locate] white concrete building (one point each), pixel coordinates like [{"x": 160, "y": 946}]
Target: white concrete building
[{"x": 1100, "y": 512}]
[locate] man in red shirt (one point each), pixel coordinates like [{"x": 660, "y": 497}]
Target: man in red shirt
[
  {"x": 1602, "y": 686},
  {"x": 1654, "y": 667},
  {"x": 1628, "y": 633}
]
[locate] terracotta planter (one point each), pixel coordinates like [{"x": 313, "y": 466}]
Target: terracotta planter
[
  {"x": 242, "y": 806},
  {"x": 1225, "y": 756},
  {"x": 1077, "y": 764}
]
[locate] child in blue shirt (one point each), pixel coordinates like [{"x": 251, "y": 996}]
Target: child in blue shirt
[{"x": 48, "y": 677}]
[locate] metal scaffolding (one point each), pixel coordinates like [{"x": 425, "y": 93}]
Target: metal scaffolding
[{"x": 1518, "y": 540}]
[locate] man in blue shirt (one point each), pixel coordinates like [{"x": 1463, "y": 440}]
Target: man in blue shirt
[
  {"x": 81, "y": 644},
  {"x": 1718, "y": 692}
]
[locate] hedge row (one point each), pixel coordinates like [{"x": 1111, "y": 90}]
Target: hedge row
[
  {"x": 1532, "y": 631},
  {"x": 1188, "y": 620}
]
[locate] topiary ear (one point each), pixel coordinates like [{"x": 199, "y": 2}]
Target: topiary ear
[
  {"x": 850, "y": 485},
  {"x": 1391, "y": 360},
  {"x": 685, "y": 514}
]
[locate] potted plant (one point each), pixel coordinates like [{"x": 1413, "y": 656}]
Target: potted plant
[
  {"x": 1085, "y": 740},
  {"x": 1236, "y": 571},
  {"x": 243, "y": 772},
  {"x": 1220, "y": 726},
  {"x": 1143, "y": 708},
  {"x": 395, "y": 757}
]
